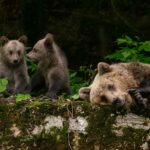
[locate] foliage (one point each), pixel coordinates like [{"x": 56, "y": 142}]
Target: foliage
[
  {"x": 18, "y": 97},
  {"x": 32, "y": 66},
  {"x": 131, "y": 50},
  {"x": 3, "y": 84},
  {"x": 21, "y": 97},
  {"x": 80, "y": 79}
]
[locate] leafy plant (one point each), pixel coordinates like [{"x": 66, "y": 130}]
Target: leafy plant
[
  {"x": 131, "y": 50},
  {"x": 3, "y": 85},
  {"x": 80, "y": 79},
  {"x": 21, "y": 97},
  {"x": 32, "y": 66}
]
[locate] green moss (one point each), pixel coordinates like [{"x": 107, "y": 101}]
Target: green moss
[{"x": 28, "y": 114}]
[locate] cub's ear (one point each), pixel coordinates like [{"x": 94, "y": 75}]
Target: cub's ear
[
  {"x": 23, "y": 39},
  {"x": 49, "y": 38},
  {"x": 103, "y": 68},
  {"x": 3, "y": 40},
  {"x": 84, "y": 93}
]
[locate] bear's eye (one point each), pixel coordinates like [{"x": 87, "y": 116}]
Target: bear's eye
[
  {"x": 35, "y": 50},
  {"x": 111, "y": 87},
  {"x": 10, "y": 52}
]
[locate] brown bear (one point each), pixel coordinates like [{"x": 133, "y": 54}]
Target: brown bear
[
  {"x": 52, "y": 67},
  {"x": 13, "y": 65},
  {"x": 111, "y": 84}
]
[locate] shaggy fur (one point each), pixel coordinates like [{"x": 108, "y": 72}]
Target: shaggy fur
[
  {"x": 112, "y": 82},
  {"x": 52, "y": 67},
  {"x": 141, "y": 94},
  {"x": 13, "y": 65}
]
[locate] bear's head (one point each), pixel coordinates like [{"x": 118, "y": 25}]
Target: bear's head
[
  {"x": 13, "y": 51},
  {"x": 42, "y": 49},
  {"x": 110, "y": 86}
]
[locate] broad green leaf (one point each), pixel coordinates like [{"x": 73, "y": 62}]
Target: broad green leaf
[
  {"x": 127, "y": 41},
  {"x": 21, "y": 97},
  {"x": 145, "y": 46},
  {"x": 121, "y": 41},
  {"x": 3, "y": 84},
  {"x": 76, "y": 96}
]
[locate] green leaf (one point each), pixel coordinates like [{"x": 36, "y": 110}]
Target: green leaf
[
  {"x": 21, "y": 97},
  {"x": 131, "y": 50},
  {"x": 127, "y": 41},
  {"x": 3, "y": 84},
  {"x": 145, "y": 46},
  {"x": 75, "y": 96},
  {"x": 73, "y": 74},
  {"x": 121, "y": 41}
]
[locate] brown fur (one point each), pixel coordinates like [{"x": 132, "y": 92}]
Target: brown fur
[
  {"x": 52, "y": 65},
  {"x": 112, "y": 82},
  {"x": 12, "y": 64}
]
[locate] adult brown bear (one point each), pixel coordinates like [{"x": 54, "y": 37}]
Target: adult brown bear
[{"x": 112, "y": 82}]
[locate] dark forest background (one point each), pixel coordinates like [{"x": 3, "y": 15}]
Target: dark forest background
[{"x": 84, "y": 29}]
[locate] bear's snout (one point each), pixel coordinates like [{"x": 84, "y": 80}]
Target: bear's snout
[{"x": 15, "y": 61}]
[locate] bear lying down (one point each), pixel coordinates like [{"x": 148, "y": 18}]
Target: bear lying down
[{"x": 112, "y": 82}]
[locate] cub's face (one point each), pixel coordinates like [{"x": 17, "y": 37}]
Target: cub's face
[
  {"x": 108, "y": 87},
  {"x": 38, "y": 52},
  {"x": 42, "y": 49},
  {"x": 13, "y": 51}
]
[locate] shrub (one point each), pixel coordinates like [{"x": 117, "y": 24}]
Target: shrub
[{"x": 131, "y": 50}]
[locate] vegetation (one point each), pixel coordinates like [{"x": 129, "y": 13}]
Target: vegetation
[
  {"x": 3, "y": 84},
  {"x": 129, "y": 49},
  {"x": 83, "y": 28}
]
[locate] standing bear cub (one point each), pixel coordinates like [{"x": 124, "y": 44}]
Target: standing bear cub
[
  {"x": 111, "y": 84},
  {"x": 52, "y": 67},
  {"x": 13, "y": 65}
]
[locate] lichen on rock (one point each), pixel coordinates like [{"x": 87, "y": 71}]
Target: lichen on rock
[{"x": 77, "y": 125}]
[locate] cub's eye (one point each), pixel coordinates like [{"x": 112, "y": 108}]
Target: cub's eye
[
  {"x": 19, "y": 53},
  {"x": 111, "y": 87},
  {"x": 10, "y": 52},
  {"x": 35, "y": 50}
]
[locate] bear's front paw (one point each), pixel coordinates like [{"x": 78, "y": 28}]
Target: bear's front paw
[
  {"x": 51, "y": 95},
  {"x": 132, "y": 91},
  {"x": 137, "y": 97}
]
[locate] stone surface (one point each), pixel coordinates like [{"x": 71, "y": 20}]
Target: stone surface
[{"x": 40, "y": 124}]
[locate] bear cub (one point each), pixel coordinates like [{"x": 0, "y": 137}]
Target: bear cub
[
  {"x": 13, "y": 65},
  {"x": 52, "y": 67}
]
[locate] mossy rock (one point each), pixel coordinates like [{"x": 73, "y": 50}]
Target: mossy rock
[{"x": 42, "y": 124}]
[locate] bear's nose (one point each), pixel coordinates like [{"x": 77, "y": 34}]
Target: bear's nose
[
  {"x": 103, "y": 98},
  {"x": 15, "y": 61}
]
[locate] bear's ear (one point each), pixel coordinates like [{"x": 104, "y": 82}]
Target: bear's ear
[
  {"x": 103, "y": 68},
  {"x": 3, "y": 40},
  {"x": 49, "y": 40},
  {"x": 84, "y": 93},
  {"x": 23, "y": 39}
]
